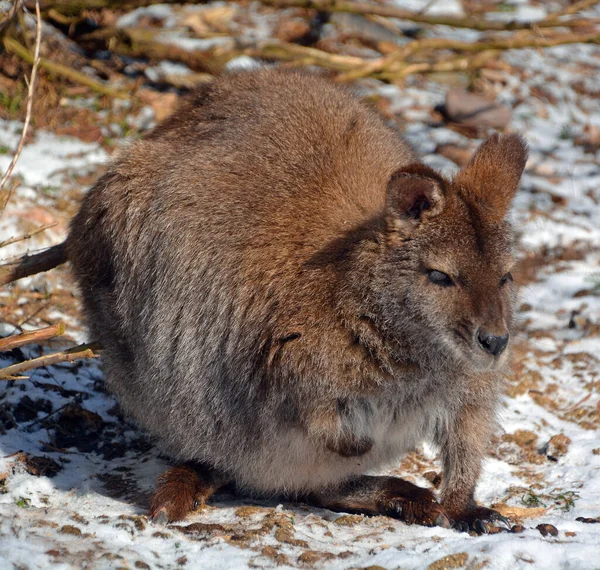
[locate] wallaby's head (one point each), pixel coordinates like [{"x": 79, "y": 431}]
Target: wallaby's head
[{"x": 446, "y": 278}]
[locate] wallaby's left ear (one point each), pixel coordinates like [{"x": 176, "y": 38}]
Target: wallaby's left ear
[{"x": 492, "y": 176}]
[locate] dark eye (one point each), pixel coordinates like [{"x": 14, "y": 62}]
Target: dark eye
[
  {"x": 439, "y": 278},
  {"x": 505, "y": 279}
]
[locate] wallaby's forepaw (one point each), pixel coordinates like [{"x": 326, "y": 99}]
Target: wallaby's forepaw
[
  {"x": 419, "y": 506},
  {"x": 178, "y": 492},
  {"x": 480, "y": 520}
]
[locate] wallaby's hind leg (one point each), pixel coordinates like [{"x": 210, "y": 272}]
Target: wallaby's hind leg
[
  {"x": 183, "y": 489},
  {"x": 390, "y": 496}
]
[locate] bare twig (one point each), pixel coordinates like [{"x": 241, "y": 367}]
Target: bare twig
[
  {"x": 395, "y": 64},
  {"x": 35, "y": 61},
  {"x": 573, "y": 9},
  {"x": 17, "y": 340},
  {"x": 26, "y": 236},
  {"x": 390, "y": 11},
  {"x": 76, "y": 7},
  {"x": 32, "y": 264},
  {"x": 79, "y": 352},
  {"x": 138, "y": 41},
  {"x": 10, "y": 16},
  {"x": 15, "y": 47}
]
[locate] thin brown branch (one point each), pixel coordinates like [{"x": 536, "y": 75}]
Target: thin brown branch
[
  {"x": 15, "y": 47},
  {"x": 35, "y": 61},
  {"x": 390, "y": 11},
  {"x": 76, "y": 7},
  {"x": 10, "y": 16},
  {"x": 30, "y": 337},
  {"x": 32, "y": 264},
  {"x": 573, "y": 9},
  {"x": 76, "y": 353},
  {"x": 395, "y": 65},
  {"x": 25, "y": 237}
]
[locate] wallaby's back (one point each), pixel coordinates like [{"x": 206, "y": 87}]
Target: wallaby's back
[{"x": 196, "y": 256}]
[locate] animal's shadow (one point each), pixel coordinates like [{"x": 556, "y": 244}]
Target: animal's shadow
[{"x": 62, "y": 424}]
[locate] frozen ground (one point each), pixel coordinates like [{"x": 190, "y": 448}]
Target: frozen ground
[{"x": 75, "y": 476}]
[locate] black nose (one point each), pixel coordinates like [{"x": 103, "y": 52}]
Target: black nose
[{"x": 493, "y": 344}]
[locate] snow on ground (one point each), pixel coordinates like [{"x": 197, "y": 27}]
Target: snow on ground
[{"x": 75, "y": 476}]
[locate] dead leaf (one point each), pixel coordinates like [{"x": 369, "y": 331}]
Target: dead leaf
[
  {"x": 210, "y": 20},
  {"x": 511, "y": 511}
]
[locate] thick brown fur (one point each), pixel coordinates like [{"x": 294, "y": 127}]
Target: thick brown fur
[{"x": 263, "y": 271}]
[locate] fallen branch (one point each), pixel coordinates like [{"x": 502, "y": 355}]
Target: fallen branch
[
  {"x": 387, "y": 11},
  {"x": 32, "y": 264},
  {"x": 395, "y": 65},
  {"x": 389, "y": 67},
  {"x": 15, "y": 47},
  {"x": 10, "y": 16},
  {"x": 148, "y": 44},
  {"x": 79, "y": 352},
  {"x": 17, "y": 340},
  {"x": 35, "y": 61},
  {"x": 76, "y": 7}
]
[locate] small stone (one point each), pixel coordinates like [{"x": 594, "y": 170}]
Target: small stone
[
  {"x": 570, "y": 533},
  {"x": 474, "y": 110},
  {"x": 547, "y": 530},
  {"x": 143, "y": 565},
  {"x": 517, "y": 528},
  {"x": 588, "y": 520}
]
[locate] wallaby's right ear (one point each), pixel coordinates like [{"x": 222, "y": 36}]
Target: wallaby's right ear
[{"x": 414, "y": 193}]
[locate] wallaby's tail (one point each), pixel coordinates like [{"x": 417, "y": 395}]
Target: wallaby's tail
[{"x": 32, "y": 264}]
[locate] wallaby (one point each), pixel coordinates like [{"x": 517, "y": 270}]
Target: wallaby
[{"x": 288, "y": 298}]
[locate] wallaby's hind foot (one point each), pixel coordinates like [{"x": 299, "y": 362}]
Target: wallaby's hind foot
[
  {"x": 390, "y": 496},
  {"x": 181, "y": 490}
]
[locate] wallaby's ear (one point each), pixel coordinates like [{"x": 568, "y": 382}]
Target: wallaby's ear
[
  {"x": 414, "y": 193},
  {"x": 492, "y": 176}
]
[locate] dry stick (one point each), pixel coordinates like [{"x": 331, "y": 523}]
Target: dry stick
[
  {"x": 75, "y": 7},
  {"x": 456, "y": 64},
  {"x": 26, "y": 236},
  {"x": 573, "y": 9},
  {"x": 11, "y": 15},
  {"x": 367, "y": 8},
  {"x": 35, "y": 61},
  {"x": 393, "y": 65},
  {"x": 79, "y": 352},
  {"x": 15, "y": 47},
  {"x": 17, "y": 340},
  {"x": 32, "y": 264},
  {"x": 303, "y": 55},
  {"x": 389, "y": 67}
]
